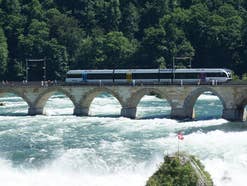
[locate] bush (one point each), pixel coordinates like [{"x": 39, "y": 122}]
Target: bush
[
  {"x": 172, "y": 172},
  {"x": 180, "y": 170}
]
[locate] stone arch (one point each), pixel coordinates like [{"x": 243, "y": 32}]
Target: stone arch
[
  {"x": 136, "y": 97},
  {"x": 44, "y": 96},
  {"x": 150, "y": 111},
  {"x": 87, "y": 99},
  {"x": 130, "y": 106},
  {"x": 240, "y": 108},
  {"x": 190, "y": 100},
  {"x": 16, "y": 92}
]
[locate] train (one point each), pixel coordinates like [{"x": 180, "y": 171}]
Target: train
[{"x": 136, "y": 76}]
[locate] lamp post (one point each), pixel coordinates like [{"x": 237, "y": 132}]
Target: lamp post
[
  {"x": 44, "y": 70},
  {"x": 182, "y": 58},
  {"x": 173, "y": 70},
  {"x": 27, "y": 68},
  {"x": 173, "y": 65}
]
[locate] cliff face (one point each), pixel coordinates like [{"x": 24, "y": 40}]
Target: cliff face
[{"x": 180, "y": 170}]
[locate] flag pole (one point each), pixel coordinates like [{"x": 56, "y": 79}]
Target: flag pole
[{"x": 180, "y": 137}]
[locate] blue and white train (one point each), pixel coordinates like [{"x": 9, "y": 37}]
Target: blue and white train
[{"x": 205, "y": 75}]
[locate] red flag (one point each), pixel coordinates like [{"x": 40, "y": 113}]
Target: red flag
[{"x": 180, "y": 136}]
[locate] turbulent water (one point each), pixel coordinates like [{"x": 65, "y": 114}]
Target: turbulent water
[{"x": 107, "y": 150}]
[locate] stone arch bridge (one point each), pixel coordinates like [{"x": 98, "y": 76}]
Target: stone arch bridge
[{"x": 181, "y": 98}]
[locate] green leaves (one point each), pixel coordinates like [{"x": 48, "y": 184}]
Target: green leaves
[
  {"x": 118, "y": 49},
  {"x": 154, "y": 47},
  {"x": 172, "y": 172},
  {"x": 3, "y": 53},
  {"x": 125, "y": 34}
]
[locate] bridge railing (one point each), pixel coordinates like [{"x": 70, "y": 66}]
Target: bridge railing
[
  {"x": 30, "y": 83},
  {"x": 44, "y": 84}
]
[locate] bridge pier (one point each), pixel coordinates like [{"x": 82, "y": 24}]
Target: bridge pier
[
  {"x": 81, "y": 111},
  {"x": 35, "y": 111},
  {"x": 180, "y": 114},
  {"x": 233, "y": 114},
  {"x": 128, "y": 112}
]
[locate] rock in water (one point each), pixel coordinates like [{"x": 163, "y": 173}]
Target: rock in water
[{"x": 180, "y": 170}]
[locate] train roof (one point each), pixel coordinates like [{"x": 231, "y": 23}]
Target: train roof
[
  {"x": 137, "y": 70},
  {"x": 200, "y": 70},
  {"x": 89, "y": 71},
  {"x": 184, "y": 70}
]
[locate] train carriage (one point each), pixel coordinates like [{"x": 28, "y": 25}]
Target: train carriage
[{"x": 120, "y": 76}]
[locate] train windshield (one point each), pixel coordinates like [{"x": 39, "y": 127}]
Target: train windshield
[{"x": 229, "y": 74}]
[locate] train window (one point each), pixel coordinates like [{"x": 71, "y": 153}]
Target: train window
[
  {"x": 119, "y": 76},
  {"x": 218, "y": 74},
  {"x": 99, "y": 76},
  {"x": 129, "y": 76},
  {"x": 74, "y": 75},
  {"x": 186, "y": 75},
  {"x": 145, "y": 76},
  {"x": 165, "y": 75}
]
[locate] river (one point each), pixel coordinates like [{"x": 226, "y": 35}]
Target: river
[{"x": 60, "y": 149}]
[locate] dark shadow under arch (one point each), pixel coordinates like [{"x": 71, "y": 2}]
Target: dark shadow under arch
[{"x": 242, "y": 108}]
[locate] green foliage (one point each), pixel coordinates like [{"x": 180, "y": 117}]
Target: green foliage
[
  {"x": 122, "y": 34},
  {"x": 130, "y": 20},
  {"x": 154, "y": 47},
  {"x": 244, "y": 77},
  {"x": 3, "y": 53},
  {"x": 57, "y": 60},
  {"x": 235, "y": 76},
  {"x": 172, "y": 173},
  {"x": 180, "y": 169}
]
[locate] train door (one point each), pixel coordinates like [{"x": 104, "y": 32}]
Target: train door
[
  {"x": 84, "y": 76},
  {"x": 202, "y": 77},
  {"x": 129, "y": 76}
]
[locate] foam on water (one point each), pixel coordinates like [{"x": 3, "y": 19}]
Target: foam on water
[
  {"x": 105, "y": 151},
  {"x": 55, "y": 176}
]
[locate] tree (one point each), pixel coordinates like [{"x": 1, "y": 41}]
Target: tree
[
  {"x": 154, "y": 47},
  {"x": 117, "y": 49},
  {"x": 3, "y": 53},
  {"x": 33, "y": 10},
  {"x": 34, "y": 42},
  {"x": 109, "y": 15},
  {"x": 130, "y": 20},
  {"x": 131, "y": 33},
  {"x": 152, "y": 11},
  {"x": 10, "y": 6},
  {"x": 90, "y": 54},
  {"x": 12, "y": 24},
  {"x": 178, "y": 45},
  {"x": 57, "y": 60},
  {"x": 65, "y": 29}
]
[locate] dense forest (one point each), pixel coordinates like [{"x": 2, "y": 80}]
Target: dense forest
[{"x": 97, "y": 34}]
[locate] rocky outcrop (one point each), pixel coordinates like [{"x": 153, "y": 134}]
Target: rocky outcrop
[{"x": 180, "y": 170}]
